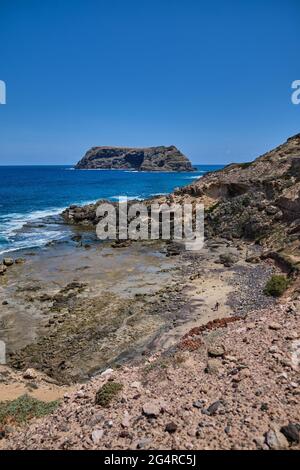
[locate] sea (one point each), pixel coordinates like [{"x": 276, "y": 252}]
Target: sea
[{"x": 33, "y": 197}]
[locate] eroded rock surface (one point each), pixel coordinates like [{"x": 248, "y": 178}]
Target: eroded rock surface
[{"x": 141, "y": 159}]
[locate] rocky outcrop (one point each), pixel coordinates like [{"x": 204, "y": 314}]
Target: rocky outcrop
[
  {"x": 140, "y": 159},
  {"x": 272, "y": 173},
  {"x": 258, "y": 201}
]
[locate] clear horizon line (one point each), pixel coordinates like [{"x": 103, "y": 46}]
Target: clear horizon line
[{"x": 69, "y": 164}]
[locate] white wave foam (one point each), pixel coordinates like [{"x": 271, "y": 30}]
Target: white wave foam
[
  {"x": 33, "y": 243},
  {"x": 14, "y": 220},
  {"x": 125, "y": 198},
  {"x": 193, "y": 177},
  {"x": 11, "y": 223}
]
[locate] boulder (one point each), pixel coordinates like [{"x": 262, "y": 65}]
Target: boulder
[
  {"x": 171, "y": 427},
  {"x": 29, "y": 374},
  {"x": 8, "y": 262},
  {"x": 275, "y": 439},
  {"x": 151, "y": 409},
  {"x": 213, "y": 408},
  {"x": 291, "y": 432},
  {"x": 228, "y": 259},
  {"x": 97, "y": 435},
  {"x": 216, "y": 351}
]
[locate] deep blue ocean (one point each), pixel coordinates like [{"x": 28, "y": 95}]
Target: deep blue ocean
[{"x": 31, "y": 197}]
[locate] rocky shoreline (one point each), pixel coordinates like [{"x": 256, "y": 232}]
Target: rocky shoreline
[
  {"x": 218, "y": 352},
  {"x": 74, "y": 338},
  {"x": 167, "y": 348}
]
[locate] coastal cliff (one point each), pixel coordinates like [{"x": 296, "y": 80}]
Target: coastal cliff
[
  {"x": 257, "y": 201},
  {"x": 139, "y": 159}
]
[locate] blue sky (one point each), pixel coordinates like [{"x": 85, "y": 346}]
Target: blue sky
[{"x": 211, "y": 77}]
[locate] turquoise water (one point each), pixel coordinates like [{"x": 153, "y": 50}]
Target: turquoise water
[{"x": 32, "y": 197}]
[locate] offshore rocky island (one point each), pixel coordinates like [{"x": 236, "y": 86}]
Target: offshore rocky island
[
  {"x": 146, "y": 345},
  {"x": 138, "y": 159}
]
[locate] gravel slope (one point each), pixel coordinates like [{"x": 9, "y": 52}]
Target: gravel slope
[{"x": 232, "y": 387}]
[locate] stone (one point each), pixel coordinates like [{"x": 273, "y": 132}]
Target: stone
[
  {"x": 29, "y": 374},
  {"x": 243, "y": 374},
  {"x": 228, "y": 259},
  {"x": 213, "y": 366},
  {"x": 8, "y": 262},
  {"x": 292, "y": 335},
  {"x": 274, "y": 326},
  {"x": 136, "y": 384},
  {"x": 125, "y": 434},
  {"x": 292, "y": 309},
  {"x": 231, "y": 358},
  {"x": 259, "y": 441},
  {"x": 291, "y": 432},
  {"x": 95, "y": 420},
  {"x": 198, "y": 404},
  {"x": 2, "y": 269},
  {"x": 171, "y": 427},
  {"x": 271, "y": 210},
  {"x": 143, "y": 443},
  {"x": 97, "y": 435},
  {"x": 213, "y": 408},
  {"x": 151, "y": 410},
  {"x": 106, "y": 372},
  {"x": 283, "y": 375},
  {"x": 286, "y": 362},
  {"x": 125, "y": 421},
  {"x": 275, "y": 439},
  {"x": 216, "y": 351},
  {"x": 109, "y": 423},
  {"x": 19, "y": 261}
]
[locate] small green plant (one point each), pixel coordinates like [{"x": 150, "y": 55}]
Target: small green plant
[
  {"x": 24, "y": 408},
  {"x": 107, "y": 393},
  {"x": 277, "y": 285},
  {"x": 159, "y": 364}
]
